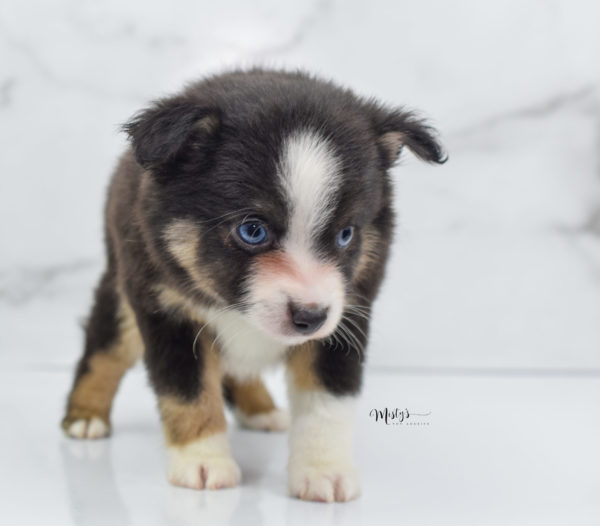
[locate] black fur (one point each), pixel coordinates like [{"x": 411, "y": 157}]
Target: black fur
[
  {"x": 209, "y": 155},
  {"x": 175, "y": 366},
  {"x": 101, "y": 329},
  {"x": 418, "y": 136},
  {"x": 160, "y": 132}
]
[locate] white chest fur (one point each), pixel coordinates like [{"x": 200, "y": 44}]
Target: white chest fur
[{"x": 245, "y": 351}]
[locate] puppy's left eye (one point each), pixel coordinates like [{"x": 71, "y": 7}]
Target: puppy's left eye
[
  {"x": 253, "y": 233},
  {"x": 344, "y": 236}
]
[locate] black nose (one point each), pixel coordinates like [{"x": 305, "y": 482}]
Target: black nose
[{"x": 307, "y": 319}]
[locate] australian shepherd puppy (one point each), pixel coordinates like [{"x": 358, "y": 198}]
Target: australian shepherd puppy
[{"x": 248, "y": 225}]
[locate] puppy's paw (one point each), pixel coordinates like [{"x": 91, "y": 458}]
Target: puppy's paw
[
  {"x": 205, "y": 473},
  {"x": 324, "y": 483},
  {"x": 82, "y": 428},
  {"x": 203, "y": 464},
  {"x": 274, "y": 420}
]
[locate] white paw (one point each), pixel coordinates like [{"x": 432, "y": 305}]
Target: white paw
[
  {"x": 92, "y": 428},
  {"x": 326, "y": 483},
  {"x": 205, "y": 473},
  {"x": 274, "y": 420},
  {"x": 204, "y": 464}
]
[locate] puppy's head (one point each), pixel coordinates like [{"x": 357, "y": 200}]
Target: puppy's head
[{"x": 269, "y": 194}]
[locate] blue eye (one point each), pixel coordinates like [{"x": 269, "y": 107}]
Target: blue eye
[
  {"x": 344, "y": 236},
  {"x": 252, "y": 232}
]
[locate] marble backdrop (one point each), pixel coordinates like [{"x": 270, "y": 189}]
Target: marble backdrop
[{"x": 496, "y": 263}]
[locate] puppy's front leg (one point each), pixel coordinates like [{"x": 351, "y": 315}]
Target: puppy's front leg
[
  {"x": 185, "y": 373},
  {"x": 321, "y": 464}
]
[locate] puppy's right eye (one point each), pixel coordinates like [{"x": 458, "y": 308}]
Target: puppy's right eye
[
  {"x": 344, "y": 236},
  {"x": 253, "y": 233}
]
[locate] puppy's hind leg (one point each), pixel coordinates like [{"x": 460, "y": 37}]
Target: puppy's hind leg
[
  {"x": 253, "y": 405},
  {"x": 113, "y": 344}
]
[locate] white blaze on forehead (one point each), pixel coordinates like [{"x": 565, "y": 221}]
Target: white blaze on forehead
[{"x": 310, "y": 173}]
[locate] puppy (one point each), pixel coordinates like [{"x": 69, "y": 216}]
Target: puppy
[{"x": 248, "y": 225}]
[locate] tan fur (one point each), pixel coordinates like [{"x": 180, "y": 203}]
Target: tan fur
[
  {"x": 392, "y": 142},
  {"x": 300, "y": 366},
  {"x": 93, "y": 394},
  {"x": 208, "y": 124},
  {"x": 369, "y": 254},
  {"x": 251, "y": 396},
  {"x": 184, "y": 422},
  {"x": 183, "y": 240}
]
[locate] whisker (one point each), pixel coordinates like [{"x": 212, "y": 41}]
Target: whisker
[
  {"x": 332, "y": 339},
  {"x": 358, "y": 308},
  {"x": 345, "y": 335},
  {"x": 225, "y": 342},
  {"x": 356, "y": 326},
  {"x": 353, "y": 340},
  {"x": 336, "y": 340},
  {"x": 359, "y": 314},
  {"x": 212, "y": 319},
  {"x": 358, "y": 295}
]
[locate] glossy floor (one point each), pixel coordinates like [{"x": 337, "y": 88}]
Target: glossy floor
[{"x": 494, "y": 449}]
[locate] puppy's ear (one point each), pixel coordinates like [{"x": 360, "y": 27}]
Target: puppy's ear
[
  {"x": 397, "y": 128},
  {"x": 159, "y": 133}
]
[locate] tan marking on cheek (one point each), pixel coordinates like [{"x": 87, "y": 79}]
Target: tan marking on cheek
[
  {"x": 301, "y": 367},
  {"x": 368, "y": 252},
  {"x": 94, "y": 391},
  {"x": 251, "y": 396},
  {"x": 185, "y": 422},
  {"x": 183, "y": 241}
]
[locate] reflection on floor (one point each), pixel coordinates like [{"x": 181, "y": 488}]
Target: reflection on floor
[{"x": 489, "y": 450}]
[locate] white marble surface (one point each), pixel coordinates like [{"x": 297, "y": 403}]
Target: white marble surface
[{"x": 491, "y": 311}]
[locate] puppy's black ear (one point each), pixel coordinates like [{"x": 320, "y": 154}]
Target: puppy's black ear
[
  {"x": 159, "y": 133},
  {"x": 397, "y": 128}
]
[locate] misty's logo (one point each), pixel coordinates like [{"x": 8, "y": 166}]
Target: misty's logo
[{"x": 396, "y": 417}]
